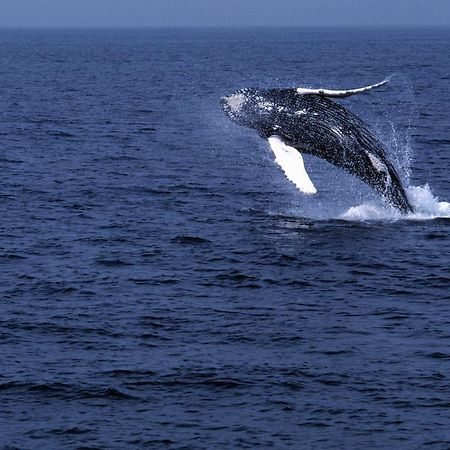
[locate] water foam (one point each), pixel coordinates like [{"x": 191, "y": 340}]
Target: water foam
[{"x": 426, "y": 207}]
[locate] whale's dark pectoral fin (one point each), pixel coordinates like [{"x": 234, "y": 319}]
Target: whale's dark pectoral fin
[
  {"x": 341, "y": 93},
  {"x": 291, "y": 162}
]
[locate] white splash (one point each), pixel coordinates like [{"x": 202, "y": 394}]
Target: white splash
[
  {"x": 291, "y": 162},
  {"x": 426, "y": 206}
]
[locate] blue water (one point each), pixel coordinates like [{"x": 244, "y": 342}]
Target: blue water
[{"x": 162, "y": 283}]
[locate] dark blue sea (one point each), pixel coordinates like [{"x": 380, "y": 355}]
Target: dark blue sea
[{"x": 163, "y": 285}]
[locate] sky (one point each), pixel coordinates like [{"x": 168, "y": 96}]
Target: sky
[{"x": 195, "y": 13}]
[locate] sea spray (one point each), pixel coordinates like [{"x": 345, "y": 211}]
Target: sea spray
[{"x": 426, "y": 206}]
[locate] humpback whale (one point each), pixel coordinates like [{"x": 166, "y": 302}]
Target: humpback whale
[{"x": 304, "y": 120}]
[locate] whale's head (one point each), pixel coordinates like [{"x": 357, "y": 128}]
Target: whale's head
[{"x": 247, "y": 107}]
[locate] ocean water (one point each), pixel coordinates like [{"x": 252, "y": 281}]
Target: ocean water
[{"x": 163, "y": 285}]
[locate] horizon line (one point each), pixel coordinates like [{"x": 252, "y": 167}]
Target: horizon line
[{"x": 219, "y": 27}]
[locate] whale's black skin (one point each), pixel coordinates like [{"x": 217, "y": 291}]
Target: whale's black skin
[{"x": 316, "y": 125}]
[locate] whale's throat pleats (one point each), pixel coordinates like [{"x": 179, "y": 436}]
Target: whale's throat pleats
[{"x": 291, "y": 162}]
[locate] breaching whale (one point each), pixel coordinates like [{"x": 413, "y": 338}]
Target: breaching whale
[{"x": 305, "y": 120}]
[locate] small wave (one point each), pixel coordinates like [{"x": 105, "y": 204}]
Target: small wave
[
  {"x": 426, "y": 207},
  {"x": 70, "y": 431},
  {"x": 65, "y": 390},
  {"x": 61, "y": 134},
  {"x": 113, "y": 262},
  {"x": 190, "y": 240}
]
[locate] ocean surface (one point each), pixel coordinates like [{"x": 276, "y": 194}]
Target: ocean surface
[{"x": 163, "y": 285}]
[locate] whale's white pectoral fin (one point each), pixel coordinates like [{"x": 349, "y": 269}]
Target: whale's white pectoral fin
[
  {"x": 291, "y": 162},
  {"x": 339, "y": 93}
]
